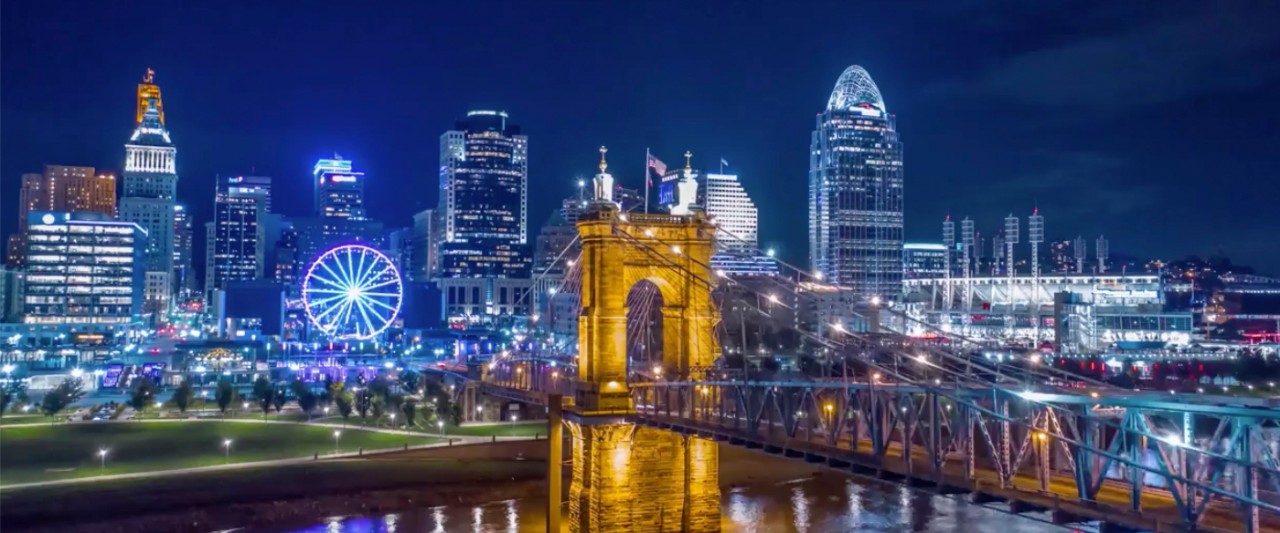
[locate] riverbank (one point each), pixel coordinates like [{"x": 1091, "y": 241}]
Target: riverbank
[
  {"x": 299, "y": 494},
  {"x": 280, "y": 495}
]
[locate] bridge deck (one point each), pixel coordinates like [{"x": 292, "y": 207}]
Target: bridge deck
[{"x": 1159, "y": 511}]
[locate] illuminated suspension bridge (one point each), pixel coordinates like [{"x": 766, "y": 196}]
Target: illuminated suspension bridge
[{"x": 902, "y": 409}]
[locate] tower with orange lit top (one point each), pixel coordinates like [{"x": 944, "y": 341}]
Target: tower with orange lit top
[{"x": 150, "y": 192}]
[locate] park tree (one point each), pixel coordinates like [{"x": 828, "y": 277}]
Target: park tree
[
  {"x": 410, "y": 410},
  {"x": 409, "y": 381},
  {"x": 344, "y": 400},
  {"x": 13, "y": 391},
  {"x": 380, "y": 387},
  {"x": 66, "y": 393},
  {"x": 363, "y": 402},
  {"x": 263, "y": 394},
  {"x": 225, "y": 395},
  {"x": 142, "y": 394},
  {"x": 332, "y": 389},
  {"x": 306, "y": 398},
  {"x": 307, "y": 402},
  {"x": 183, "y": 395},
  {"x": 278, "y": 399}
]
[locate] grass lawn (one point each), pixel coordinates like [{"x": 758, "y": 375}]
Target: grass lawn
[
  {"x": 505, "y": 429},
  {"x": 9, "y": 419},
  {"x": 66, "y": 451},
  {"x": 520, "y": 429}
]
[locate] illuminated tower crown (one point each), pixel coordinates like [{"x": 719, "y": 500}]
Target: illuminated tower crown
[{"x": 149, "y": 92}]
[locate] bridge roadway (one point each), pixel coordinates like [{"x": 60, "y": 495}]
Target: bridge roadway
[
  {"x": 1112, "y": 504},
  {"x": 1159, "y": 512}
]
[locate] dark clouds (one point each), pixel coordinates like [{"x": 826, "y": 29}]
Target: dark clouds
[{"x": 1159, "y": 57}]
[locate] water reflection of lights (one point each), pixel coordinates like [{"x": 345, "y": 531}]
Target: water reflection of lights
[
  {"x": 390, "y": 521},
  {"x": 854, "y": 492},
  {"x": 438, "y": 517},
  {"x": 477, "y": 518},
  {"x": 513, "y": 517},
  {"x": 800, "y": 508},
  {"x": 744, "y": 511}
]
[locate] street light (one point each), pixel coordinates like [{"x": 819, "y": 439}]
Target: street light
[
  {"x": 393, "y": 419},
  {"x": 440, "y": 424},
  {"x": 226, "y": 444},
  {"x": 337, "y": 436},
  {"x": 513, "y": 420},
  {"x": 102, "y": 455}
]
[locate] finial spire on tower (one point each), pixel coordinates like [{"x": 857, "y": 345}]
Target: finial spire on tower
[
  {"x": 603, "y": 164},
  {"x": 150, "y": 77},
  {"x": 688, "y": 156}
]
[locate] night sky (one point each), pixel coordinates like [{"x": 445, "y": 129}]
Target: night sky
[{"x": 1155, "y": 123}]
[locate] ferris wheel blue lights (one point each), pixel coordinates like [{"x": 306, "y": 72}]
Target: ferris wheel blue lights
[{"x": 352, "y": 292}]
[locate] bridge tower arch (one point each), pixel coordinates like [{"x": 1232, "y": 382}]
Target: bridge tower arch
[{"x": 619, "y": 250}]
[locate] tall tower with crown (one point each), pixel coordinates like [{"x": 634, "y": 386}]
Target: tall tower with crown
[{"x": 150, "y": 193}]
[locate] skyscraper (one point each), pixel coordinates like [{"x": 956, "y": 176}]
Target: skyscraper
[
  {"x": 483, "y": 205},
  {"x": 855, "y": 190},
  {"x": 734, "y": 212},
  {"x": 339, "y": 190},
  {"x": 257, "y": 183},
  {"x": 61, "y": 188},
  {"x": 484, "y": 262},
  {"x": 150, "y": 190},
  {"x": 184, "y": 277},
  {"x": 236, "y": 246}
]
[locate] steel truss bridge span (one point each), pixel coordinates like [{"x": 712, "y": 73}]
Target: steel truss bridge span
[{"x": 1081, "y": 459}]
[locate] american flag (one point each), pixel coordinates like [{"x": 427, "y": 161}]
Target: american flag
[{"x": 657, "y": 165}]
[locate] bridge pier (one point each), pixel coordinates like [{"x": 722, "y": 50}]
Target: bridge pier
[{"x": 629, "y": 478}]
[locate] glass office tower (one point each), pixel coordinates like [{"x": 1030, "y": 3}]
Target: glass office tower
[{"x": 855, "y": 190}]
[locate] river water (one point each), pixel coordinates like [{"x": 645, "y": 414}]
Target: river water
[{"x": 819, "y": 505}]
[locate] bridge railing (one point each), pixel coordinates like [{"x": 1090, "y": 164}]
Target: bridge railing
[{"x": 984, "y": 435}]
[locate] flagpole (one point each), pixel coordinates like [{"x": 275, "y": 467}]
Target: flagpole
[
  {"x": 646, "y": 180},
  {"x": 722, "y": 164}
]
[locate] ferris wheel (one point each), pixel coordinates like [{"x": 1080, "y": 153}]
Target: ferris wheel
[{"x": 352, "y": 292}]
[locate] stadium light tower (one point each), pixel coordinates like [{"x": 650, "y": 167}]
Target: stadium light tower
[
  {"x": 1104, "y": 248},
  {"x": 948, "y": 242},
  {"x": 1081, "y": 251},
  {"x": 1035, "y": 236},
  {"x": 967, "y": 238},
  {"x": 1010, "y": 240}
]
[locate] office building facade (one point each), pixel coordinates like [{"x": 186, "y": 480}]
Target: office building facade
[
  {"x": 60, "y": 188},
  {"x": 236, "y": 247},
  {"x": 483, "y": 206},
  {"x": 856, "y": 190},
  {"x": 339, "y": 189},
  {"x": 83, "y": 268},
  {"x": 184, "y": 274},
  {"x": 735, "y": 214}
]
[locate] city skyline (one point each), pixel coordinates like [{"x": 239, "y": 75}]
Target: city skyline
[{"x": 1034, "y": 145}]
